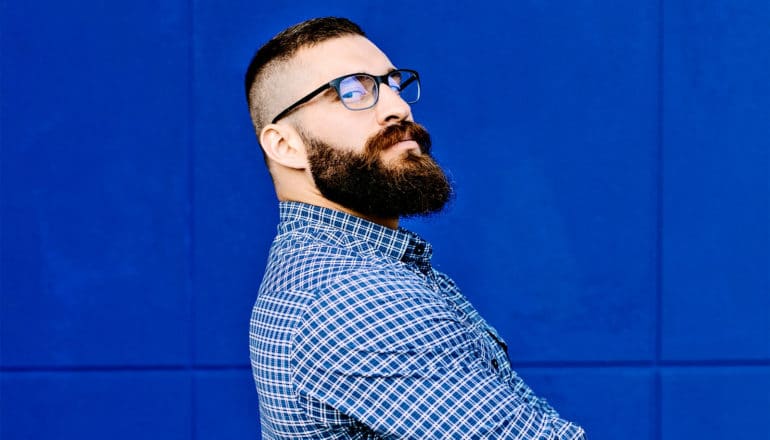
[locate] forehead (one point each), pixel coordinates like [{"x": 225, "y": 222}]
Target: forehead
[{"x": 337, "y": 57}]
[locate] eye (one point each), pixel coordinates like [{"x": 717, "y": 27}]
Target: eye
[
  {"x": 353, "y": 95},
  {"x": 394, "y": 81},
  {"x": 352, "y": 90}
]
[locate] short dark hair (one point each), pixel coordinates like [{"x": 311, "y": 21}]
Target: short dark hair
[{"x": 284, "y": 45}]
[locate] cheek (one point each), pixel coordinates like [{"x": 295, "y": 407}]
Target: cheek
[
  {"x": 342, "y": 128},
  {"x": 347, "y": 138}
]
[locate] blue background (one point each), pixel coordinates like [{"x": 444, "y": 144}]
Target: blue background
[{"x": 612, "y": 216}]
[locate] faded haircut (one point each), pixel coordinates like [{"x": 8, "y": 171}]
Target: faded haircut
[{"x": 281, "y": 49}]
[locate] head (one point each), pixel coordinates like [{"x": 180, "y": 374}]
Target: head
[{"x": 365, "y": 156}]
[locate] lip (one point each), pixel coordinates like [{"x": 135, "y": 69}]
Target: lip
[{"x": 405, "y": 145}]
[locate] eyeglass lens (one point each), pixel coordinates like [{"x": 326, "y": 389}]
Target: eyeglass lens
[{"x": 360, "y": 91}]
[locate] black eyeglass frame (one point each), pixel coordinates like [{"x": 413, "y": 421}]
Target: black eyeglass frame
[{"x": 335, "y": 84}]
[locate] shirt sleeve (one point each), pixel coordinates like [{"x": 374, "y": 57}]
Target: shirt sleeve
[
  {"x": 391, "y": 354},
  {"x": 470, "y": 314}
]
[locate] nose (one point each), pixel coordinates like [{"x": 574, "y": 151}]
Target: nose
[{"x": 390, "y": 107}]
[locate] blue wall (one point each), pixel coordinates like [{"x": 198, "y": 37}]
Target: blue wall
[{"x": 612, "y": 218}]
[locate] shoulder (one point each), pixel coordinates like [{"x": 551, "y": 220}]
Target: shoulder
[
  {"x": 308, "y": 258},
  {"x": 371, "y": 307},
  {"x": 375, "y": 323}
]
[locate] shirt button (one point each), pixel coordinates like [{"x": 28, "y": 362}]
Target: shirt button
[
  {"x": 419, "y": 249},
  {"x": 495, "y": 364}
]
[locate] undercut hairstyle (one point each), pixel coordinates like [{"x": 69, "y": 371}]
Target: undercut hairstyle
[{"x": 279, "y": 50}]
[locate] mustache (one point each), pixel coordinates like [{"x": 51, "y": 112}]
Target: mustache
[{"x": 393, "y": 134}]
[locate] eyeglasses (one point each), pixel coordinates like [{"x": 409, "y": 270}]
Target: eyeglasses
[{"x": 360, "y": 91}]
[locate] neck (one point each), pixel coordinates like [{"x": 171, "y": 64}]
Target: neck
[{"x": 391, "y": 223}]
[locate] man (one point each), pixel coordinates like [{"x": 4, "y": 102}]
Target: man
[{"x": 354, "y": 334}]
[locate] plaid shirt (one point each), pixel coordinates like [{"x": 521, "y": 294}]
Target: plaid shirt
[{"x": 355, "y": 336}]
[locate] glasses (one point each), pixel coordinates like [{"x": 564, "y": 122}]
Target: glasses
[{"x": 360, "y": 91}]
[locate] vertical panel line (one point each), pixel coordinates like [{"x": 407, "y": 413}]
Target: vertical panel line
[
  {"x": 191, "y": 210},
  {"x": 658, "y": 391}
]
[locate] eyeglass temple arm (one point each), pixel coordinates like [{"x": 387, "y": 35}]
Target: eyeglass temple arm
[
  {"x": 307, "y": 98},
  {"x": 411, "y": 79}
]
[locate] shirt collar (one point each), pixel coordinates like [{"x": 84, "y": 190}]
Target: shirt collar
[{"x": 400, "y": 243}]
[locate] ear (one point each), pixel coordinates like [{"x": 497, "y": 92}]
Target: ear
[{"x": 283, "y": 145}]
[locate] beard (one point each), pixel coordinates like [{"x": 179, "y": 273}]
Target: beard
[{"x": 407, "y": 186}]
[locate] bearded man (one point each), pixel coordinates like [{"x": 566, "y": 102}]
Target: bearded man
[{"x": 354, "y": 335}]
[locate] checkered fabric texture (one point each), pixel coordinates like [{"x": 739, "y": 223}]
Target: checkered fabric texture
[{"x": 355, "y": 336}]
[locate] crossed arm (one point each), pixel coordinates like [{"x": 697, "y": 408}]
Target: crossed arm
[{"x": 400, "y": 361}]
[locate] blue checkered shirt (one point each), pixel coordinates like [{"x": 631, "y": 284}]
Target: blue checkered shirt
[{"x": 355, "y": 336}]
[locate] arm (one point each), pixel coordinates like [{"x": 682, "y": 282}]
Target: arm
[
  {"x": 394, "y": 357},
  {"x": 469, "y": 313}
]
